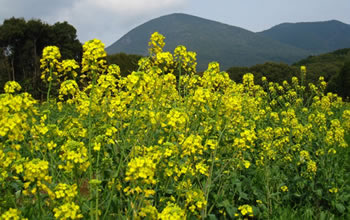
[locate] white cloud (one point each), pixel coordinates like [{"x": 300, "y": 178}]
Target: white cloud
[
  {"x": 133, "y": 6},
  {"x": 107, "y": 20}
]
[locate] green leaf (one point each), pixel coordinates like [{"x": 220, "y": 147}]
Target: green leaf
[
  {"x": 340, "y": 207},
  {"x": 230, "y": 209},
  {"x": 323, "y": 216},
  {"x": 243, "y": 195},
  {"x": 318, "y": 192},
  {"x": 212, "y": 217}
]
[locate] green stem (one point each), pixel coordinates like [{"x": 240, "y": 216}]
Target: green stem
[
  {"x": 50, "y": 84},
  {"x": 109, "y": 202},
  {"x": 97, "y": 188},
  {"x": 268, "y": 194},
  {"x": 89, "y": 142},
  {"x": 178, "y": 83},
  {"x": 96, "y": 202},
  {"x": 209, "y": 181},
  {"x": 39, "y": 202}
]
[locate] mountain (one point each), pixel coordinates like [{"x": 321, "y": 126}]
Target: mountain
[
  {"x": 316, "y": 37},
  {"x": 213, "y": 41}
]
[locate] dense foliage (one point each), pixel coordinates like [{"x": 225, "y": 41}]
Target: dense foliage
[
  {"x": 276, "y": 72},
  {"x": 332, "y": 66},
  {"x": 166, "y": 143},
  {"x": 342, "y": 81},
  {"x": 126, "y": 62}
]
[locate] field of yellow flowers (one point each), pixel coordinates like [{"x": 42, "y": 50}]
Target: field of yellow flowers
[{"x": 167, "y": 143}]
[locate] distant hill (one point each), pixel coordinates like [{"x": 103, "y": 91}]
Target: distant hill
[
  {"x": 213, "y": 41},
  {"x": 337, "y": 56},
  {"x": 316, "y": 37},
  {"x": 334, "y": 66},
  {"x": 327, "y": 64}
]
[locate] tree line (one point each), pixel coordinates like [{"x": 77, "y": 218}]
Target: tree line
[
  {"x": 334, "y": 67},
  {"x": 21, "y": 45}
]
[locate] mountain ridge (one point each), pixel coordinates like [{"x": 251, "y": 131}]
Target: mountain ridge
[
  {"x": 317, "y": 37},
  {"x": 213, "y": 41}
]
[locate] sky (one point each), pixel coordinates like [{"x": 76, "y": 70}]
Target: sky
[{"x": 108, "y": 20}]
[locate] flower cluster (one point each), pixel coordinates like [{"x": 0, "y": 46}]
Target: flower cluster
[
  {"x": 246, "y": 210},
  {"x": 68, "y": 211},
  {"x": 12, "y": 87},
  {"x": 50, "y": 63},
  {"x": 93, "y": 60},
  {"x": 74, "y": 155},
  {"x": 12, "y": 214},
  {"x": 141, "y": 168},
  {"x": 65, "y": 191},
  {"x": 156, "y": 43},
  {"x": 172, "y": 211},
  {"x": 69, "y": 69}
]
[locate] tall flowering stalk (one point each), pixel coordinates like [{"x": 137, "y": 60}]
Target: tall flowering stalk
[
  {"x": 303, "y": 75},
  {"x": 93, "y": 62},
  {"x": 50, "y": 64},
  {"x": 156, "y": 44}
]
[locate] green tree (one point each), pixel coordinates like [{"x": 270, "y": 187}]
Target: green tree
[
  {"x": 276, "y": 72},
  {"x": 21, "y": 44},
  {"x": 236, "y": 73},
  {"x": 343, "y": 81},
  {"x": 126, "y": 62},
  {"x": 12, "y": 34},
  {"x": 36, "y": 34},
  {"x": 5, "y": 71},
  {"x": 64, "y": 36}
]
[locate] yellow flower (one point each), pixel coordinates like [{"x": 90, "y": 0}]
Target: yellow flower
[
  {"x": 93, "y": 60},
  {"x": 332, "y": 151},
  {"x": 311, "y": 166},
  {"x": 67, "y": 67},
  {"x": 156, "y": 43},
  {"x": 11, "y": 214},
  {"x": 50, "y": 63},
  {"x": 68, "y": 87},
  {"x": 12, "y": 87},
  {"x": 284, "y": 188},
  {"x": 36, "y": 170},
  {"x": 333, "y": 190},
  {"x": 68, "y": 210},
  {"x": 51, "y": 145},
  {"x": 97, "y": 146},
  {"x": 303, "y": 71},
  {"x": 66, "y": 192},
  {"x": 142, "y": 168},
  {"x": 172, "y": 212},
  {"x": 246, "y": 164},
  {"x": 246, "y": 210},
  {"x": 149, "y": 211}
]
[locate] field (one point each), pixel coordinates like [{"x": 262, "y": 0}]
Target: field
[{"x": 168, "y": 143}]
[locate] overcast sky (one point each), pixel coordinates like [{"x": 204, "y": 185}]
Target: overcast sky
[{"x": 108, "y": 20}]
